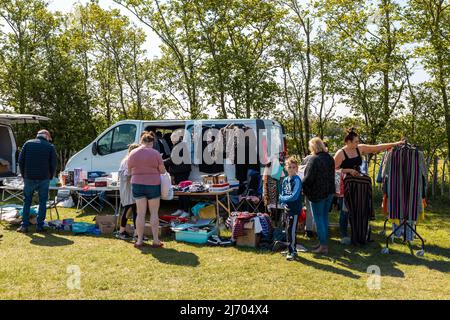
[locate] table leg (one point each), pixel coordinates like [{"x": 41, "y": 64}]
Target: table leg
[{"x": 218, "y": 215}]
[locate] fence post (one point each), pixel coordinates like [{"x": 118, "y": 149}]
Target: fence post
[{"x": 435, "y": 177}]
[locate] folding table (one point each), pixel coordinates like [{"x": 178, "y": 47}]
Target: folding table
[{"x": 219, "y": 203}]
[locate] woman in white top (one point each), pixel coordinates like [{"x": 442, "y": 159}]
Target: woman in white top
[{"x": 126, "y": 195}]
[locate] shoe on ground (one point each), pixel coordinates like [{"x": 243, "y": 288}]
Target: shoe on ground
[
  {"x": 310, "y": 234},
  {"x": 135, "y": 237},
  {"x": 301, "y": 248},
  {"x": 185, "y": 215},
  {"x": 346, "y": 241},
  {"x": 177, "y": 213},
  {"x": 124, "y": 236},
  {"x": 41, "y": 229},
  {"x": 291, "y": 256},
  {"x": 22, "y": 229},
  {"x": 285, "y": 252},
  {"x": 321, "y": 250}
]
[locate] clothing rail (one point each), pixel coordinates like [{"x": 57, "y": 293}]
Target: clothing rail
[{"x": 405, "y": 224}]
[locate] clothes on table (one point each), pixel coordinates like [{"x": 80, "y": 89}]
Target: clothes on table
[{"x": 358, "y": 199}]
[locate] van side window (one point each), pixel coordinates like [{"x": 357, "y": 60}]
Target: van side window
[{"x": 117, "y": 139}]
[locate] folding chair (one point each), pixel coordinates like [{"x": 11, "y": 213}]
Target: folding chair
[
  {"x": 251, "y": 200},
  {"x": 61, "y": 196},
  {"x": 91, "y": 199}
]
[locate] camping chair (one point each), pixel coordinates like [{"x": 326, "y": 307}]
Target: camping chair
[
  {"x": 61, "y": 196},
  {"x": 91, "y": 199},
  {"x": 251, "y": 200}
]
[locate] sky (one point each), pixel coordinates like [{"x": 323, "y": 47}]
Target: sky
[{"x": 153, "y": 42}]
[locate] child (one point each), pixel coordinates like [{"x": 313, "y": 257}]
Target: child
[
  {"x": 291, "y": 195},
  {"x": 126, "y": 196}
]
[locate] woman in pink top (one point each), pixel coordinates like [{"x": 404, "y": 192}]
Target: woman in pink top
[{"x": 146, "y": 166}]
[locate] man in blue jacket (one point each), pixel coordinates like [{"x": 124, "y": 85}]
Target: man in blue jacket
[{"x": 37, "y": 163}]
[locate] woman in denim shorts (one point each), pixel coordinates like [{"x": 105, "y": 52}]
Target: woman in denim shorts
[{"x": 146, "y": 166}]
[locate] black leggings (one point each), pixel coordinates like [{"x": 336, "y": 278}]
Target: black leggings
[{"x": 124, "y": 220}]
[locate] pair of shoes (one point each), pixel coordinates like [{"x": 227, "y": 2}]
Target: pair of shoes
[
  {"x": 123, "y": 236},
  {"x": 177, "y": 213},
  {"x": 291, "y": 256},
  {"x": 301, "y": 248},
  {"x": 22, "y": 229},
  {"x": 346, "y": 241}
]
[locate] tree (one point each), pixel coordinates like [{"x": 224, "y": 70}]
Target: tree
[{"x": 429, "y": 24}]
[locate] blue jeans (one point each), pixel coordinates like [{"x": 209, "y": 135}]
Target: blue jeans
[
  {"x": 320, "y": 211},
  {"x": 41, "y": 186},
  {"x": 343, "y": 220}
]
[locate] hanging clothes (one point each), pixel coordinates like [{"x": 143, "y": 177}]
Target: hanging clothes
[
  {"x": 404, "y": 177},
  {"x": 358, "y": 200}
]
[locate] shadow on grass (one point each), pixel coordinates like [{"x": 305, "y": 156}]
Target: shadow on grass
[
  {"x": 172, "y": 256},
  {"x": 48, "y": 239}
]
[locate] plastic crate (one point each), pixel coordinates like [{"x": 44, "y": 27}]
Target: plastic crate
[
  {"x": 194, "y": 236},
  {"x": 83, "y": 227}
]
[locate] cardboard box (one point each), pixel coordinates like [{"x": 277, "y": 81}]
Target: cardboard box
[
  {"x": 163, "y": 231},
  {"x": 105, "y": 219},
  {"x": 107, "y": 227},
  {"x": 250, "y": 238},
  {"x": 4, "y": 169}
]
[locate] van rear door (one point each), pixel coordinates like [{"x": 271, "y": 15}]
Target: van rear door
[{"x": 8, "y": 144}]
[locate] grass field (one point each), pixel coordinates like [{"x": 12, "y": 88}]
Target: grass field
[{"x": 35, "y": 266}]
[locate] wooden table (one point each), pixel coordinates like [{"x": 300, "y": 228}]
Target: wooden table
[{"x": 217, "y": 196}]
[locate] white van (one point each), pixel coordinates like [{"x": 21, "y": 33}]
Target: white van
[
  {"x": 8, "y": 144},
  {"x": 107, "y": 151}
]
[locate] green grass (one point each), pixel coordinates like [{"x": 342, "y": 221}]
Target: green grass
[{"x": 34, "y": 266}]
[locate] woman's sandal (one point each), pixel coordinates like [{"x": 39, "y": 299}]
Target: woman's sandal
[
  {"x": 157, "y": 246},
  {"x": 139, "y": 246}
]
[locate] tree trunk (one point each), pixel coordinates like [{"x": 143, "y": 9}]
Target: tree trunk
[
  {"x": 306, "y": 106},
  {"x": 435, "y": 177}
]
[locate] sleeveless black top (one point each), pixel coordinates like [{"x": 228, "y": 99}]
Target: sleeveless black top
[{"x": 351, "y": 163}]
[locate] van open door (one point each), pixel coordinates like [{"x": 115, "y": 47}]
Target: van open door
[{"x": 8, "y": 144}]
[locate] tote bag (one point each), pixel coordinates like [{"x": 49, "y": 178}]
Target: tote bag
[{"x": 166, "y": 187}]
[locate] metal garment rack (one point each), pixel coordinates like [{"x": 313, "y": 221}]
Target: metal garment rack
[{"x": 405, "y": 224}]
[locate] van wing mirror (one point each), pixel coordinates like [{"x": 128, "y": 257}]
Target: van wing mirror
[{"x": 94, "y": 149}]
